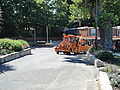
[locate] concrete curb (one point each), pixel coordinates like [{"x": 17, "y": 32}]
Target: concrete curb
[
  {"x": 104, "y": 81},
  {"x": 15, "y": 55},
  {"x": 97, "y": 62}
]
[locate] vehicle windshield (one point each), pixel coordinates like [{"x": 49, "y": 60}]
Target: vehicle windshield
[
  {"x": 67, "y": 38},
  {"x": 72, "y": 39}
]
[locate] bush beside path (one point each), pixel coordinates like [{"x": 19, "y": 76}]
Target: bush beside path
[{"x": 8, "y": 46}]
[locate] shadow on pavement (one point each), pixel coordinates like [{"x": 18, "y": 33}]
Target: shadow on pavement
[
  {"x": 77, "y": 60},
  {"x": 5, "y": 68},
  {"x": 35, "y": 47}
]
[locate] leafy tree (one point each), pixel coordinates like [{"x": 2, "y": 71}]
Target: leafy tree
[
  {"x": 60, "y": 16},
  {"x": 80, "y": 12},
  {"x": 109, "y": 13},
  {"x": 1, "y": 20},
  {"x": 21, "y": 16},
  {"x": 56, "y": 15},
  {"x": 108, "y": 17},
  {"x": 18, "y": 16}
]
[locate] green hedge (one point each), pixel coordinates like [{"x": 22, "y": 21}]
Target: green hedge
[
  {"x": 101, "y": 53},
  {"x": 104, "y": 55},
  {"x": 24, "y": 44},
  {"x": 9, "y": 45}
]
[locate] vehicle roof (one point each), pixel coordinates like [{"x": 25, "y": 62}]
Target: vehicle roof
[
  {"x": 116, "y": 38},
  {"x": 71, "y": 36},
  {"x": 91, "y": 37}
]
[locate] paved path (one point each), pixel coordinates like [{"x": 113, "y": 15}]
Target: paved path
[{"x": 45, "y": 70}]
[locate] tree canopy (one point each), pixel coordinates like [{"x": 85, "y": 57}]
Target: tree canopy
[
  {"x": 108, "y": 16},
  {"x": 21, "y": 16}
]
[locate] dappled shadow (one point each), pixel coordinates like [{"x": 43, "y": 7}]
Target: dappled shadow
[
  {"x": 68, "y": 54},
  {"x": 5, "y": 68},
  {"x": 35, "y": 47},
  {"x": 72, "y": 54},
  {"x": 77, "y": 60}
]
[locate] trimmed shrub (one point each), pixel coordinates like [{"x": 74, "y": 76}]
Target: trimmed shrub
[
  {"x": 17, "y": 46},
  {"x": 104, "y": 55},
  {"x": 5, "y": 51},
  {"x": 9, "y": 45},
  {"x": 92, "y": 49},
  {"x": 24, "y": 44}
]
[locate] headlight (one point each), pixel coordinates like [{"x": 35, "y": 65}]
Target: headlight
[{"x": 67, "y": 46}]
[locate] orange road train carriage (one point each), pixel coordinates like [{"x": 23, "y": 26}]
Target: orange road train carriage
[
  {"x": 77, "y": 41},
  {"x": 75, "y": 44},
  {"x": 68, "y": 44},
  {"x": 85, "y": 42}
]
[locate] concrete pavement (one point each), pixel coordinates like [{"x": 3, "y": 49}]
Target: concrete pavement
[{"x": 45, "y": 70}]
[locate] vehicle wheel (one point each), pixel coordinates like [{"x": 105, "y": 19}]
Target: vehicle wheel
[
  {"x": 57, "y": 52},
  {"x": 68, "y": 53},
  {"x": 76, "y": 53},
  {"x": 84, "y": 52}
]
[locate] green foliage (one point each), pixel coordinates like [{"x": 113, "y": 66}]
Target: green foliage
[
  {"x": 9, "y": 45},
  {"x": 1, "y": 20},
  {"x": 20, "y": 16},
  {"x": 101, "y": 53},
  {"x": 104, "y": 55},
  {"x": 116, "y": 60},
  {"x": 24, "y": 44},
  {"x": 39, "y": 1},
  {"x": 58, "y": 18},
  {"x": 108, "y": 16},
  {"x": 115, "y": 79},
  {"x": 5, "y": 51},
  {"x": 113, "y": 74},
  {"x": 82, "y": 9},
  {"x": 111, "y": 6},
  {"x": 17, "y": 46},
  {"x": 109, "y": 69},
  {"x": 79, "y": 11},
  {"x": 92, "y": 49}
]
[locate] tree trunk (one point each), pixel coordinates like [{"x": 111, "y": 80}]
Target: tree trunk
[
  {"x": 106, "y": 35},
  {"x": 1, "y": 20}
]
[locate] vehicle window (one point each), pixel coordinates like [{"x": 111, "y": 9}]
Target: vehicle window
[
  {"x": 67, "y": 38},
  {"x": 89, "y": 43},
  {"x": 77, "y": 40},
  {"x": 71, "y": 39},
  {"x": 83, "y": 42}
]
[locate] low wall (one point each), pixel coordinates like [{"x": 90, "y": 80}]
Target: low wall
[
  {"x": 15, "y": 55},
  {"x": 104, "y": 81}
]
